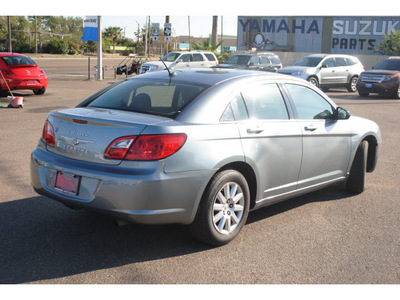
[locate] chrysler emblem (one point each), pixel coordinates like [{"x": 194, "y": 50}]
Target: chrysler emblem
[{"x": 75, "y": 141}]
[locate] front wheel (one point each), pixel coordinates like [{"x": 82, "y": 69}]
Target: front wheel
[
  {"x": 396, "y": 93},
  {"x": 356, "y": 181},
  {"x": 313, "y": 80},
  {"x": 223, "y": 209}
]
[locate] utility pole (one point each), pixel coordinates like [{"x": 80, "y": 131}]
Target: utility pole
[
  {"x": 9, "y": 34},
  {"x": 99, "y": 50},
  {"x": 214, "y": 36},
  {"x": 190, "y": 45},
  {"x": 222, "y": 32},
  {"x": 36, "y": 48}
]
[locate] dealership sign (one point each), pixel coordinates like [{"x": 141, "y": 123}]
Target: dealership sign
[{"x": 351, "y": 35}]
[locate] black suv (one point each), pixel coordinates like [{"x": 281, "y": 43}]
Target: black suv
[
  {"x": 263, "y": 61},
  {"x": 383, "y": 79}
]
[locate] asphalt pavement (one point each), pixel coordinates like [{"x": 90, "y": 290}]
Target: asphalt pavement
[{"x": 326, "y": 237}]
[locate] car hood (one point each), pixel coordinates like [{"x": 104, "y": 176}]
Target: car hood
[
  {"x": 382, "y": 71},
  {"x": 85, "y": 133},
  {"x": 157, "y": 63}
]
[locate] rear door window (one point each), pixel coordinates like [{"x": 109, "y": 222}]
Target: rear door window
[
  {"x": 198, "y": 57},
  {"x": 265, "y": 102}
]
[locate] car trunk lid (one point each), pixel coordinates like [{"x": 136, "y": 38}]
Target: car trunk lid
[
  {"x": 26, "y": 70},
  {"x": 85, "y": 133}
]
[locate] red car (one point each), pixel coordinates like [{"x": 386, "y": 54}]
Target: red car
[{"x": 21, "y": 73}]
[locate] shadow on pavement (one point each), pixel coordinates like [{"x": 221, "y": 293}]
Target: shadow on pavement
[{"x": 41, "y": 239}]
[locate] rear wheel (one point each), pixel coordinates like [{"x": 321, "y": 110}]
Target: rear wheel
[
  {"x": 356, "y": 181},
  {"x": 3, "y": 93},
  {"x": 39, "y": 91},
  {"x": 223, "y": 209},
  {"x": 351, "y": 86}
]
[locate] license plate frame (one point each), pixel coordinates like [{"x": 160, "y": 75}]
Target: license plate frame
[
  {"x": 67, "y": 183},
  {"x": 30, "y": 82}
]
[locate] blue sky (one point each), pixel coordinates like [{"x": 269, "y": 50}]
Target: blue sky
[{"x": 199, "y": 25}]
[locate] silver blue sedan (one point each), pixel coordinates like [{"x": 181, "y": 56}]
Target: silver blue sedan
[{"x": 201, "y": 147}]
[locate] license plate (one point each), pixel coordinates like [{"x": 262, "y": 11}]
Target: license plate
[
  {"x": 368, "y": 85},
  {"x": 67, "y": 183},
  {"x": 30, "y": 82}
]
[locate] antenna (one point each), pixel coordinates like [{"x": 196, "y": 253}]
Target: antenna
[{"x": 169, "y": 72}]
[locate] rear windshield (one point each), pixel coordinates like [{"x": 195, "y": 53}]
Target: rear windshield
[
  {"x": 149, "y": 96},
  {"x": 13, "y": 60}
]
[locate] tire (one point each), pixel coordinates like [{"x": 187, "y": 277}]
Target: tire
[
  {"x": 356, "y": 181},
  {"x": 219, "y": 217},
  {"x": 313, "y": 80},
  {"x": 3, "y": 93},
  {"x": 351, "y": 86},
  {"x": 396, "y": 94},
  {"x": 40, "y": 91}
]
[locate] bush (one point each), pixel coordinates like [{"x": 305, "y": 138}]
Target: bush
[{"x": 56, "y": 46}]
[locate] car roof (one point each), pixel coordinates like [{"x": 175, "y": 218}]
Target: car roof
[
  {"x": 10, "y": 54},
  {"x": 326, "y": 55},
  {"x": 254, "y": 54},
  {"x": 208, "y": 76}
]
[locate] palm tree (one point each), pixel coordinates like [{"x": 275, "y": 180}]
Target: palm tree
[
  {"x": 206, "y": 46},
  {"x": 114, "y": 33}
]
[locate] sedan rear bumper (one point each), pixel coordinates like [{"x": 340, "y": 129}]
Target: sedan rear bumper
[{"x": 143, "y": 194}]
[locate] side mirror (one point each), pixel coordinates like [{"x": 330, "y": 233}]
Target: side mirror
[
  {"x": 179, "y": 60},
  {"x": 342, "y": 114},
  {"x": 324, "y": 66}
]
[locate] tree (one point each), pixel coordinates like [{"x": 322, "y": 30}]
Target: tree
[
  {"x": 114, "y": 33},
  {"x": 206, "y": 46},
  {"x": 390, "y": 45}
]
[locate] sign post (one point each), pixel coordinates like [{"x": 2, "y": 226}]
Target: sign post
[{"x": 92, "y": 32}]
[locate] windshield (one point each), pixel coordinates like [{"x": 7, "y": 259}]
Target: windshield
[
  {"x": 389, "y": 64},
  {"x": 238, "y": 60},
  {"x": 14, "y": 60},
  {"x": 159, "y": 97},
  {"x": 308, "y": 61},
  {"x": 171, "y": 56}
]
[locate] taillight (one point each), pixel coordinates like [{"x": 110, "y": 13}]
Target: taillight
[
  {"x": 145, "y": 147},
  {"x": 119, "y": 147},
  {"x": 48, "y": 134},
  {"x": 7, "y": 72}
]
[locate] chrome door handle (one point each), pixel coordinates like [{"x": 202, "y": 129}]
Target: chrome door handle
[
  {"x": 310, "y": 128},
  {"x": 255, "y": 130}
]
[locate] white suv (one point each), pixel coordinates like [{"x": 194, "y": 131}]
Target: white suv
[
  {"x": 182, "y": 60},
  {"x": 325, "y": 71}
]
